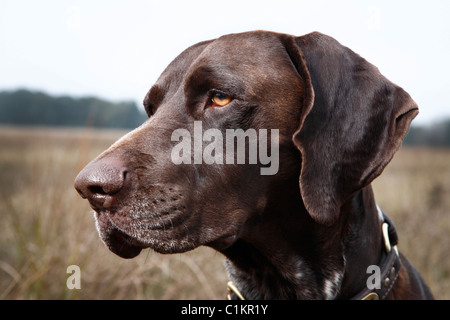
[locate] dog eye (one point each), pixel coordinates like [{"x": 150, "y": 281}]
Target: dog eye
[{"x": 220, "y": 100}]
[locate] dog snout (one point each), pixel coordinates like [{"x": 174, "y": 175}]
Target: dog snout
[{"x": 100, "y": 181}]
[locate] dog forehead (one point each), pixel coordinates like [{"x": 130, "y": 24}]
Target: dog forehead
[
  {"x": 248, "y": 40},
  {"x": 241, "y": 49},
  {"x": 249, "y": 59}
]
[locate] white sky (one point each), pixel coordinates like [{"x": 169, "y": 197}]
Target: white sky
[{"x": 117, "y": 49}]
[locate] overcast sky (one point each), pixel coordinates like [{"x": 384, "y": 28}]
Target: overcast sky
[{"x": 117, "y": 49}]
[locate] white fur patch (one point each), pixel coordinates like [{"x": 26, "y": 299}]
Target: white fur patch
[{"x": 332, "y": 286}]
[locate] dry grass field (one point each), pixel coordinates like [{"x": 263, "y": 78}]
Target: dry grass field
[{"x": 45, "y": 226}]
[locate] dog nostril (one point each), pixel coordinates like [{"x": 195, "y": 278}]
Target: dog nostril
[
  {"x": 97, "y": 190},
  {"x": 109, "y": 186}
]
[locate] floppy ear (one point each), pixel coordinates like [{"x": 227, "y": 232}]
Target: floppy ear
[{"x": 353, "y": 121}]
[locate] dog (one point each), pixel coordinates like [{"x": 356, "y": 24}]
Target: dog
[{"x": 312, "y": 229}]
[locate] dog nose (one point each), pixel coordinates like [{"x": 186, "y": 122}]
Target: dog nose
[{"x": 100, "y": 181}]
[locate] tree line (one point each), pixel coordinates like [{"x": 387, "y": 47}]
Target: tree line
[
  {"x": 34, "y": 108},
  {"x": 435, "y": 135}
]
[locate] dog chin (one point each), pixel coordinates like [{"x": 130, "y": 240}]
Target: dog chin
[
  {"x": 117, "y": 237},
  {"x": 116, "y": 240},
  {"x": 120, "y": 243},
  {"x": 127, "y": 246}
]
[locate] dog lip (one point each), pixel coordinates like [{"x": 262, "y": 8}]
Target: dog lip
[
  {"x": 117, "y": 240},
  {"x": 124, "y": 245}
]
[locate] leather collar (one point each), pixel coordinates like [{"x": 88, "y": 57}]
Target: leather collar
[{"x": 389, "y": 265}]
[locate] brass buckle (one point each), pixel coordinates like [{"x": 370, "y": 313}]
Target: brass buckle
[
  {"x": 371, "y": 296},
  {"x": 233, "y": 289}
]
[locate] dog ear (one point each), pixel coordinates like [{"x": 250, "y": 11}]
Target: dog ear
[{"x": 353, "y": 121}]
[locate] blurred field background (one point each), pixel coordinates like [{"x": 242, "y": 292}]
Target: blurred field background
[{"x": 45, "y": 226}]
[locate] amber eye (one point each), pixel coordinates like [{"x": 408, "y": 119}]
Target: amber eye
[{"x": 220, "y": 100}]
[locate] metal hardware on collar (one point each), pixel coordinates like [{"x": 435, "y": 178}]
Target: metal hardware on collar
[
  {"x": 371, "y": 296},
  {"x": 233, "y": 289},
  {"x": 395, "y": 249},
  {"x": 387, "y": 242},
  {"x": 385, "y": 232},
  {"x": 390, "y": 263}
]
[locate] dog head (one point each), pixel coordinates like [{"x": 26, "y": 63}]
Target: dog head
[{"x": 331, "y": 119}]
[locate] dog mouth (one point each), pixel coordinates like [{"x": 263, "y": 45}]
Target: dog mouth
[
  {"x": 127, "y": 237},
  {"x": 117, "y": 240},
  {"x": 126, "y": 233}
]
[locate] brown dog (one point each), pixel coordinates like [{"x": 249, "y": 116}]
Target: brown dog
[{"x": 309, "y": 230}]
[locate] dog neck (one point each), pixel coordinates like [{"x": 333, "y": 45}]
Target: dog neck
[{"x": 284, "y": 254}]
